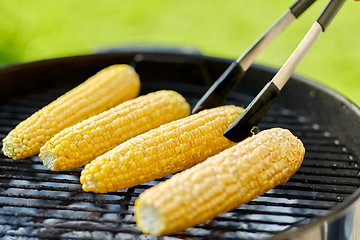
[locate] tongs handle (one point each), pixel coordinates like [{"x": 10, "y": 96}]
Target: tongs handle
[
  {"x": 254, "y": 112},
  {"x": 223, "y": 86}
]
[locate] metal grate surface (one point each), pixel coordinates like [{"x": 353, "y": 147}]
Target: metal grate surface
[{"x": 36, "y": 203}]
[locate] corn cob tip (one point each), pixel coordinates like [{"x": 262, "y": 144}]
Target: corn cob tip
[
  {"x": 149, "y": 220},
  {"x": 10, "y": 148},
  {"x": 220, "y": 183},
  {"x": 22, "y": 140}
]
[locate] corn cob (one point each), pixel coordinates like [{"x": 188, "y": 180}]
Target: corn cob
[
  {"x": 100, "y": 92},
  {"x": 79, "y": 144},
  {"x": 167, "y": 149},
  {"x": 220, "y": 183}
]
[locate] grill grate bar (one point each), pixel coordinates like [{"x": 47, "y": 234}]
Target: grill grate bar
[
  {"x": 317, "y": 150},
  {"x": 77, "y": 188},
  {"x": 259, "y": 212},
  {"x": 54, "y": 207},
  {"x": 228, "y": 219},
  {"x": 39, "y": 179},
  {"x": 233, "y": 229},
  {"x": 289, "y": 205},
  {"x": 310, "y": 135},
  {"x": 324, "y": 174},
  {"x": 313, "y": 189},
  {"x": 59, "y": 217},
  {"x": 330, "y": 166},
  {"x": 304, "y": 197},
  {"x": 29, "y": 161},
  {"x": 59, "y": 198},
  {"x": 321, "y": 182},
  {"x": 321, "y": 158},
  {"x": 328, "y": 142},
  {"x": 21, "y": 169}
]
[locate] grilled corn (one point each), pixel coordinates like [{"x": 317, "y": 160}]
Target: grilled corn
[
  {"x": 220, "y": 183},
  {"x": 167, "y": 149},
  {"x": 100, "y": 92},
  {"x": 77, "y": 145}
]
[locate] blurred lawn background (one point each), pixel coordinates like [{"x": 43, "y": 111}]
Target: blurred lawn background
[{"x": 42, "y": 29}]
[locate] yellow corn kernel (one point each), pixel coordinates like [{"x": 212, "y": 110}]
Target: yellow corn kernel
[
  {"x": 220, "y": 183},
  {"x": 111, "y": 128},
  {"x": 173, "y": 147},
  {"x": 104, "y": 90}
]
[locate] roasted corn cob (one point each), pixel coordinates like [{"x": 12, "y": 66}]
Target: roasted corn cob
[
  {"x": 167, "y": 149},
  {"x": 81, "y": 143},
  {"x": 220, "y": 183},
  {"x": 100, "y": 92}
]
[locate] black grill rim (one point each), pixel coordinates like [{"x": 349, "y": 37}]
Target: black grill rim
[{"x": 343, "y": 108}]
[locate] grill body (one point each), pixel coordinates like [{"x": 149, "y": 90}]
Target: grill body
[{"x": 321, "y": 201}]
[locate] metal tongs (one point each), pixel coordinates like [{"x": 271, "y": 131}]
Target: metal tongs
[{"x": 220, "y": 90}]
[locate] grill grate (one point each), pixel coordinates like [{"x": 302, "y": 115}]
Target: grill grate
[{"x": 38, "y": 203}]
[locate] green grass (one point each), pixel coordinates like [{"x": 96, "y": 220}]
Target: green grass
[{"x": 42, "y": 29}]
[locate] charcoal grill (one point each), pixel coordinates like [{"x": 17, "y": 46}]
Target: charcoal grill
[{"x": 319, "y": 202}]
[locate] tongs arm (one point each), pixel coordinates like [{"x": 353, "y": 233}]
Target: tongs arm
[
  {"x": 223, "y": 86},
  {"x": 254, "y": 112}
]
